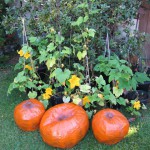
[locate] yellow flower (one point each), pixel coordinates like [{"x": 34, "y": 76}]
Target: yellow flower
[
  {"x": 137, "y": 105},
  {"x": 28, "y": 67},
  {"x": 46, "y": 96},
  {"x": 26, "y": 55},
  {"x": 85, "y": 100},
  {"x": 49, "y": 91},
  {"x": 20, "y": 53},
  {"x": 74, "y": 81}
]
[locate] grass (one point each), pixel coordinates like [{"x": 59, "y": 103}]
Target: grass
[{"x": 12, "y": 138}]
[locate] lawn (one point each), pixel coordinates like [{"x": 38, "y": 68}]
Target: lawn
[{"x": 12, "y": 138}]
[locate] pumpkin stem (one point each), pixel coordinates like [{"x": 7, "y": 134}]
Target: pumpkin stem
[
  {"x": 109, "y": 115},
  {"x": 62, "y": 118},
  {"x": 28, "y": 104}
]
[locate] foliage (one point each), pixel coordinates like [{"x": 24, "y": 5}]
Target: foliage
[
  {"x": 2, "y": 31},
  {"x": 74, "y": 40},
  {"x": 103, "y": 17}
]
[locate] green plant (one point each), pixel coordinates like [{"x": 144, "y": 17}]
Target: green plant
[{"x": 70, "y": 41}]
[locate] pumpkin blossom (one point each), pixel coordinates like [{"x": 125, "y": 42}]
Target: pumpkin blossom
[
  {"x": 27, "y": 55},
  {"x": 48, "y": 91},
  {"x": 21, "y": 53},
  {"x": 85, "y": 100},
  {"x": 137, "y": 105},
  {"x": 28, "y": 67},
  {"x": 74, "y": 81},
  {"x": 46, "y": 96}
]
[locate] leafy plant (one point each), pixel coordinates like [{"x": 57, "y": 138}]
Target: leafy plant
[{"x": 73, "y": 39}]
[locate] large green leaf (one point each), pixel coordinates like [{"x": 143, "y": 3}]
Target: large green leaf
[
  {"x": 59, "y": 39},
  {"x": 32, "y": 94},
  {"x": 111, "y": 98},
  {"x": 50, "y": 63},
  {"x": 51, "y": 47},
  {"x": 32, "y": 39},
  {"x": 66, "y": 50},
  {"x": 121, "y": 101},
  {"x": 81, "y": 55},
  {"x": 100, "y": 81},
  {"x": 117, "y": 92},
  {"x": 85, "y": 88},
  {"x": 91, "y": 32},
  {"x": 62, "y": 76},
  {"x": 79, "y": 21}
]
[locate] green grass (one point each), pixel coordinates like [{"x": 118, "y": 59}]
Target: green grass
[{"x": 12, "y": 138}]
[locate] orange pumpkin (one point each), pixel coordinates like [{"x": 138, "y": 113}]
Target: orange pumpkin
[
  {"x": 28, "y": 114},
  {"x": 64, "y": 125},
  {"x": 109, "y": 126}
]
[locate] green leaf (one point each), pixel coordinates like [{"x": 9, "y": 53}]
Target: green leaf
[
  {"x": 32, "y": 39},
  {"x": 66, "y": 50},
  {"x": 141, "y": 77},
  {"x": 117, "y": 91},
  {"x": 126, "y": 69},
  {"x": 94, "y": 98},
  {"x": 94, "y": 89},
  {"x": 62, "y": 76},
  {"x": 100, "y": 81},
  {"x": 18, "y": 66},
  {"x": 85, "y": 34},
  {"x": 43, "y": 55},
  {"x": 59, "y": 39},
  {"x": 133, "y": 83},
  {"x": 91, "y": 32},
  {"x": 124, "y": 84},
  {"x": 30, "y": 85},
  {"x": 8, "y": 1},
  {"x": 90, "y": 113},
  {"x": 81, "y": 55},
  {"x": 94, "y": 11},
  {"x": 45, "y": 103},
  {"x": 111, "y": 98},
  {"x": 78, "y": 66},
  {"x": 82, "y": 5},
  {"x": 12, "y": 86},
  {"x": 86, "y": 18},
  {"x": 77, "y": 100},
  {"x": 112, "y": 76},
  {"x": 106, "y": 89},
  {"x": 144, "y": 107},
  {"x": 51, "y": 47},
  {"x": 136, "y": 113},
  {"x": 79, "y": 21},
  {"x": 50, "y": 63},
  {"x": 85, "y": 88},
  {"x": 20, "y": 77},
  {"x": 123, "y": 61},
  {"x": 32, "y": 94},
  {"x": 101, "y": 103},
  {"x": 121, "y": 101}
]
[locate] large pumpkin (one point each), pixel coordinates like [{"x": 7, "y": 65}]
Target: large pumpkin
[
  {"x": 28, "y": 114},
  {"x": 64, "y": 125},
  {"x": 109, "y": 126}
]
